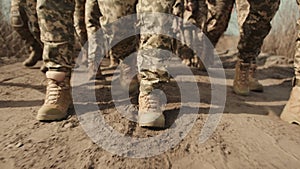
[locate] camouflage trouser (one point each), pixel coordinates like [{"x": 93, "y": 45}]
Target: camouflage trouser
[
  {"x": 255, "y": 24},
  {"x": 24, "y": 20},
  {"x": 256, "y": 27},
  {"x": 297, "y": 54},
  {"x": 149, "y": 61},
  {"x": 112, "y": 11},
  {"x": 79, "y": 21},
  {"x": 219, "y": 12},
  {"x": 92, "y": 16},
  {"x": 198, "y": 17},
  {"x": 57, "y": 32}
]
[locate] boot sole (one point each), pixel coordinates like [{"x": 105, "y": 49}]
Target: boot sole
[
  {"x": 242, "y": 93},
  {"x": 50, "y": 114},
  {"x": 145, "y": 121},
  {"x": 259, "y": 90},
  {"x": 50, "y": 117}
]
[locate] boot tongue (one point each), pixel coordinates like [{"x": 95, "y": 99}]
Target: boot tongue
[{"x": 57, "y": 76}]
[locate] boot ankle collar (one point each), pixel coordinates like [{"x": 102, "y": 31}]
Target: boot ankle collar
[{"x": 57, "y": 76}]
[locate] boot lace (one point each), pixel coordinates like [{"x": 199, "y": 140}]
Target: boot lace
[
  {"x": 54, "y": 90},
  {"x": 151, "y": 103}
]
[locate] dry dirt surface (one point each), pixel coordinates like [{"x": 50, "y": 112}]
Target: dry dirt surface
[{"x": 249, "y": 135}]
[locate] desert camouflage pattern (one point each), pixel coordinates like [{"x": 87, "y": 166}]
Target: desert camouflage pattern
[
  {"x": 297, "y": 54},
  {"x": 55, "y": 18},
  {"x": 111, "y": 11},
  {"x": 254, "y": 19},
  {"x": 219, "y": 12},
  {"x": 149, "y": 61},
  {"x": 92, "y": 16},
  {"x": 256, "y": 27},
  {"x": 79, "y": 21},
  {"x": 24, "y": 20},
  {"x": 194, "y": 12}
]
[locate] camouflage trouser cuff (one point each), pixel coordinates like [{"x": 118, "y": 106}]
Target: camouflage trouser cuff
[{"x": 151, "y": 81}]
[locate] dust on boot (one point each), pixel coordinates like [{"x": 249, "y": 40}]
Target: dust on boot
[
  {"x": 150, "y": 110},
  {"x": 241, "y": 79},
  {"x": 151, "y": 99},
  {"x": 58, "y": 97},
  {"x": 254, "y": 85}
]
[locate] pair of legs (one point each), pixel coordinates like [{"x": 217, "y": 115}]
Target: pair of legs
[
  {"x": 23, "y": 19},
  {"x": 57, "y": 34},
  {"x": 255, "y": 26},
  {"x": 150, "y": 48}
]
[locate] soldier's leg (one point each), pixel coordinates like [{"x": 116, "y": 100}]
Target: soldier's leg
[
  {"x": 79, "y": 22},
  {"x": 92, "y": 16},
  {"x": 219, "y": 12},
  {"x": 57, "y": 34},
  {"x": 24, "y": 21},
  {"x": 291, "y": 112},
  {"x": 111, "y": 12},
  {"x": 80, "y": 31},
  {"x": 37, "y": 46},
  {"x": 255, "y": 28},
  {"x": 186, "y": 53},
  {"x": 150, "y": 61}
]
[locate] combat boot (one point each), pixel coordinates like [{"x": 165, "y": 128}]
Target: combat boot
[
  {"x": 291, "y": 111},
  {"x": 94, "y": 72},
  {"x": 34, "y": 56},
  {"x": 58, "y": 97},
  {"x": 254, "y": 85},
  {"x": 150, "y": 111},
  {"x": 241, "y": 79}
]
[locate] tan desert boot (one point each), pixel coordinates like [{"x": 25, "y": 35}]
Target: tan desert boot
[
  {"x": 58, "y": 97},
  {"x": 254, "y": 85},
  {"x": 241, "y": 79},
  {"x": 291, "y": 111},
  {"x": 150, "y": 111}
]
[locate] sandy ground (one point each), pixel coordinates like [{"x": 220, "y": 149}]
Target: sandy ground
[{"x": 249, "y": 135}]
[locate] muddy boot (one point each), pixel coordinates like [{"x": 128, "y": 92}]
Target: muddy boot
[
  {"x": 291, "y": 111},
  {"x": 34, "y": 56},
  {"x": 94, "y": 72},
  {"x": 241, "y": 79},
  {"x": 150, "y": 110},
  {"x": 128, "y": 77},
  {"x": 58, "y": 97},
  {"x": 254, "y": 85}
]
